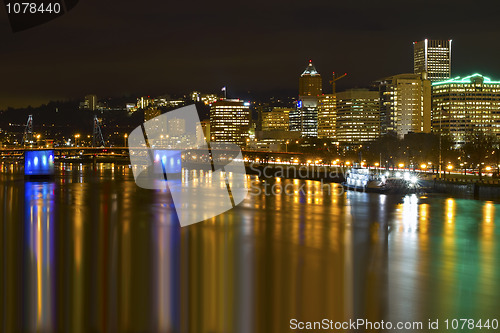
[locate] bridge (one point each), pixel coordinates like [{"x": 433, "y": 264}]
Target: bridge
[
  {"x": 87, "y": 154},
  {"x": 98, "y": 151}
]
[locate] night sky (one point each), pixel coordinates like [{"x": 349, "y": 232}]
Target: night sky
[{"x": 114, "y": 48}]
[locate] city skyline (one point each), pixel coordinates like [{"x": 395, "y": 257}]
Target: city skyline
[
  {"x": 249, "y": 166},
  {"x": 44, "y": 63}
]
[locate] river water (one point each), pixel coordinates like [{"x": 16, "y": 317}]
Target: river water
[{"x": 92, "y": 252}]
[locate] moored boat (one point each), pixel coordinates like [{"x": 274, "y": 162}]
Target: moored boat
[
  {"x": 365, "y": 180},
  {"x": 370, "y": 180}
]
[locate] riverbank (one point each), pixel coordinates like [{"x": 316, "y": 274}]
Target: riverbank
[{"x": 484, "y": 190}]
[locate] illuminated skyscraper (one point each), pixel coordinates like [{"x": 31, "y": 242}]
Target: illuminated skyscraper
[
  {"x": 307, "y": 109},
  {"x": 326, "y": 116},
  {"x": 294, "y": 118},
  {"x": 310, "y": 82},
  {"x": 358, "y": 116},
  {"x": 433, "y": 57},
  {"x": 305, "y": 118},
  {"x": 461, "y": 105},
  {"x": 405, "y": 104},
  {"x": 230, "y": 121}
]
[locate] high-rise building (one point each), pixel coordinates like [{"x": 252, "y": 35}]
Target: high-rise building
[
  {"x": 433, "y": 57},
  {"x": 229, "y": 121},
  {"x": 305, "y": 118},
  {"x": 326, "y": 116},
  {"x": 310, "y": 82},
  {"x": 358, "y": 116},
  {"x": 294, "y": 118},
  {"x": 461, "y": 105},
  {"x": 276, "y": 120},
  {"x": 405, "y": 104}
]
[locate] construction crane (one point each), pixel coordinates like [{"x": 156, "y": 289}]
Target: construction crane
[{"x": 334, "y": 80}]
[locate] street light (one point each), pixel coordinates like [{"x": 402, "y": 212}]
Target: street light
[
  {"x": 77, "y": 136},
  {"x": 125, "y": 136},
  {"x": 423, "y": 166},
  {"x": 449, "y": 167}
]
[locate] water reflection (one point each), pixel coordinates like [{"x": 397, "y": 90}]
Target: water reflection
[
  {"x": 93, "y": 252},
  {"x": 38, "y": 269},
  {"x": 166, "y": 238}
]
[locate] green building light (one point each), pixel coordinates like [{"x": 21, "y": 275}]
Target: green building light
[{"x": 466, "y": 80}]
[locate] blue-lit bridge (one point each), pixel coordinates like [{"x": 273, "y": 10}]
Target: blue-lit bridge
[{"x": 69, "y": 153}]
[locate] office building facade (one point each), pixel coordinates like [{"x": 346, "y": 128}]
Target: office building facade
[
  {"x": 276, "y": 120},
  {"x": 326, "y": 116},
  {"x": 309, "y": 116},
  {"x": 463, "y": 105},
  {"x": 434, "y": 58},
  {"x": 230, "y": 121},
  {"x": 358, "y": 116},
  {"x": 405, "y": 104}
]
